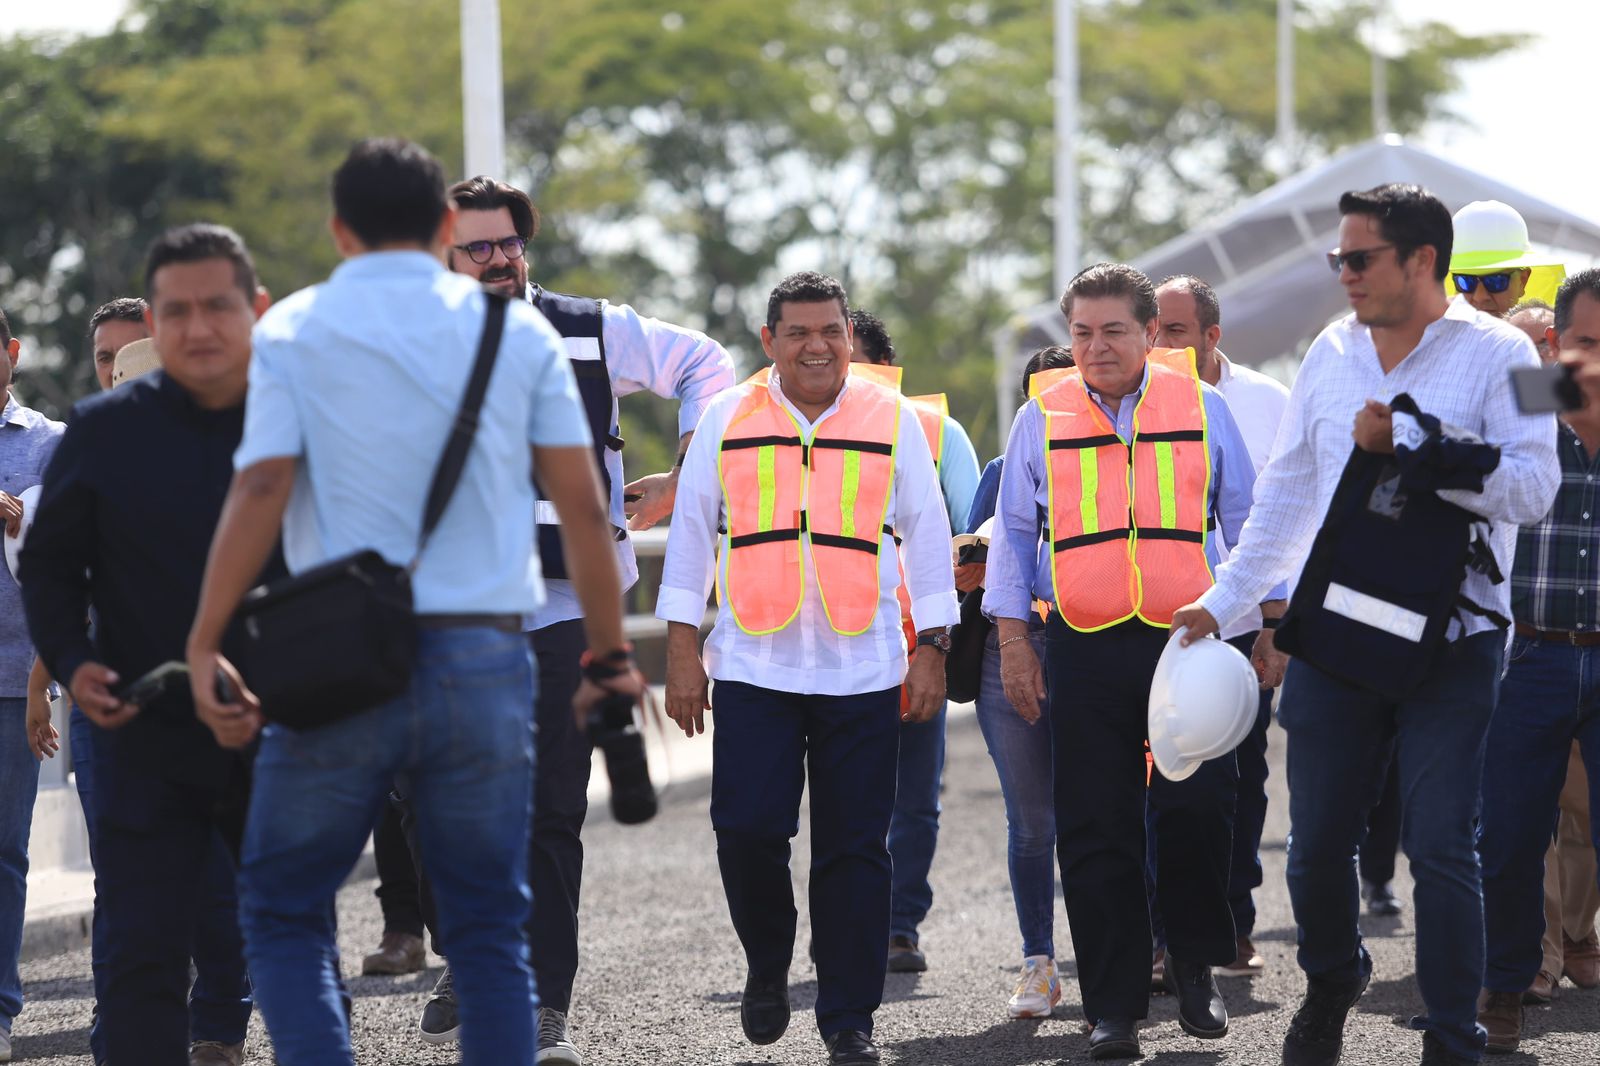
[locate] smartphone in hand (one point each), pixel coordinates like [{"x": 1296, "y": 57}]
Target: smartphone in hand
[
  {"x": 1547, "y": 389},
  {"x": 145, "y": 690}
]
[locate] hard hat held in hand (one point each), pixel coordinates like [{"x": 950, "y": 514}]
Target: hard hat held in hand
[{"x": 1203, "y": 701}]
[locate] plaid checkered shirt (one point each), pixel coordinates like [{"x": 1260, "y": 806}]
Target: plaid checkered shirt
[{"x": 1554, "y": 583}]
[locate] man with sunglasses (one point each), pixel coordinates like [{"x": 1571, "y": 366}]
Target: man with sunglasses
[
  {"x": 1494, "y": 266},
  {"x": 614, "y": 351},
  {"x": 1404, "y": 335}
]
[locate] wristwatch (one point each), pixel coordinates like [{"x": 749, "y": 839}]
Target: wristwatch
[{"x": 939, "y": 639}]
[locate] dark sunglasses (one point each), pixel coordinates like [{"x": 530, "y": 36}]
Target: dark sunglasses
[
  {"x": 1357, "y": 261},
  {"x": 481, "y": 252},
  {"x": 1492, "y": 283}
]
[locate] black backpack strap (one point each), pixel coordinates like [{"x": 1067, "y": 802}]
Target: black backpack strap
[
  {"x": 1493, "y": 616},
  {"x": 448, "y": 471}
]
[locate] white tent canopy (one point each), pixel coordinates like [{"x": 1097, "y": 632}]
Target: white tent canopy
[{"x": 1266, "y": 258}]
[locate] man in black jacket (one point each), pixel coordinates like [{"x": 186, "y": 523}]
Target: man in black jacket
[{"x": 129, "y": 505}]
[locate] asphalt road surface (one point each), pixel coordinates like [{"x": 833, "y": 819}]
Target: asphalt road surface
[{"x": 662, "y": 970}]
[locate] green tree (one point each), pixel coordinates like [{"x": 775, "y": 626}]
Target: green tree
[{"x": 684, "y": 154}]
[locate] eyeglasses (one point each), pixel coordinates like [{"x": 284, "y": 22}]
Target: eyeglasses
[
  {"x": 1357, "y": 261},
  {"x": 481, "y": 252},
  {"x": 1492, "y": 283}
]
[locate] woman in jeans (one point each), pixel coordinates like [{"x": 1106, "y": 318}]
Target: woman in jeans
[{"x": 1020, "y": 749}]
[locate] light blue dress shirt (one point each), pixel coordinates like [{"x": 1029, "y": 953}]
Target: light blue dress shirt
[
  {"x": 360, "y": 378},
  {"x": 27, "y": 441},
  {"x": 1019, "y": 562},
  {"x": 958, "y": 472}
]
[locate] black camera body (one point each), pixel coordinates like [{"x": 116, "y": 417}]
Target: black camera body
[{"x": 612, "y": 729}]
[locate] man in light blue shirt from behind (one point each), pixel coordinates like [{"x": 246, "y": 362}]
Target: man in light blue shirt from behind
[{"x": 354, "y": 387}]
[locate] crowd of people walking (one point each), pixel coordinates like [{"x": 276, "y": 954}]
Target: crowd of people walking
[{"x": 279, "y": 636}]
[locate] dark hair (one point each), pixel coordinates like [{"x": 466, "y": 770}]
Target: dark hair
[
  {"x": 486, "y": 194},
  {"x": 806, "y": 287},
  {"x": 1050, "y": 357},
  {"x": 1409, "y": 217},
  {"x": 197, "y": 241},
  {"x": 390, "y": 191},
  {"x": 122, "y": 309},
  {"x": 1113, "y": 279},
  {"x": 1207, "y": 310},
  {"x": 1532, "y": 303},
  {"x": 872, "y": 337},
  {"x": 1583, "y": 281},
  {"x": 5, "y": 331}
]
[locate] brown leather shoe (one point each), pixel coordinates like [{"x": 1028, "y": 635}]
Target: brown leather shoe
[
  {"x": 397, "y": 953},
  {"x": 1158, "y": 972},
  {"x": 1542, "y": 991},
  {"x": 1581, "y": 960},
  {"x": 215, "y": 1053},
  {"x": 1501, "y": 1014},
  {"x": 1247, "y": 963}
]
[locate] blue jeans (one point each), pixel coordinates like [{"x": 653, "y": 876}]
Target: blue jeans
[
  {"x": 1549, "y": 697},
  {"x": 1021, "y": 754},
  {"x": 19, "y": 785},
  {"x": 914, "y": 828},
  {"x": 219, "y": 1001},
  {"x": 462, "y": 738},
  {"x": 763, "y": 745},
  {"x": 1338, "y": 735}
]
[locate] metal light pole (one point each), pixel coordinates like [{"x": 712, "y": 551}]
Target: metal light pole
[
  {"x": 1286, "y": 127},
  {"x": 483, "y": 120},
  {"x": 1380, "y": 70},
  {"x": 1066, "y": 161}
]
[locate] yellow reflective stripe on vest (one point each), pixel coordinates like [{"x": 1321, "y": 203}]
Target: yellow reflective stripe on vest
[
  {"x": 1166, "y": 485},
  {"x": 766, "y": 457},
  {"x": 848, "y": 491},
  {"x": 1089, "y": 474}
]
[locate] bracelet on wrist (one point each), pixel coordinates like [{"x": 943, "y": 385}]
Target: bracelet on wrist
[
  {"x": 1270, "y": 623},
  {"x": 1012, "y": 640}
]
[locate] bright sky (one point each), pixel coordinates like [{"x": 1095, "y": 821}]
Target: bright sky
[{"x": 1514, "y": 105}]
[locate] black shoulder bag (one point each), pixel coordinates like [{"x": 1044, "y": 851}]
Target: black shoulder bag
[{"x": 341, "y": 638}]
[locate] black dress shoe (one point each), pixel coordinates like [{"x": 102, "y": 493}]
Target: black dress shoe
[
  {"x": 1115, "y": 1038},
  {"x": 1201, "y": 1011},
  {"x": 852, "y": 1048},
  {"x": 764, "y": 1009},
  {"x": 1316, "y": 1032}
]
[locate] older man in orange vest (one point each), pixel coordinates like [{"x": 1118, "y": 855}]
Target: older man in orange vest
[
  {"x": 792, "y": 495},
  {"x": 1132, "y": 460}
]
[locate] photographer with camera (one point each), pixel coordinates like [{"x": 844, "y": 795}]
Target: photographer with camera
[
  {"x": 1544, "y": 707},
  {"x": 337, "y": 451}
]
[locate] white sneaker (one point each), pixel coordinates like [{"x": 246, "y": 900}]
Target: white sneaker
[
  {"x": 554, "y": 1046},
  {"x": 5, "y": 1046},
  {"x": 1038, "y": 988}
]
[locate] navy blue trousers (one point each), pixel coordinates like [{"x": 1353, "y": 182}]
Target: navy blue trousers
[{"x": 764, "y": 742}]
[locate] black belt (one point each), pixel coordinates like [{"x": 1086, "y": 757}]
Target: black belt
[
  {"x": 1558, "y": 636},
  {"x": 505, "y": 623}
]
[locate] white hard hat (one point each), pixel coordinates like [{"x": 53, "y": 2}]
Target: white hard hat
[
  {"x": 1492, "y": 237},
  {"x": 134, "y": 360},
  {"x": 1203, "y": 701},
  {"x": 30, "y": 502}
]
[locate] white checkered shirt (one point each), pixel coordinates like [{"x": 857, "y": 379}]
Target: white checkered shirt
[{"x": 1459, "y": 373}]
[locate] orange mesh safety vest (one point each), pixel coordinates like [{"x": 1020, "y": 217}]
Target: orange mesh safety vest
[
  {"x": 782, "y": 491},
  {"x": 1127, "y": 522}
]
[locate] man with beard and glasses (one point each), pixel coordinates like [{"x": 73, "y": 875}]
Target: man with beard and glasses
[{"x": 614, "y": 351}]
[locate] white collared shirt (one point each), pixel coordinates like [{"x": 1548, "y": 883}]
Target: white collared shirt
[
  {"x": 807, "y": 656},
  {"x": 671, "y": 361},
  {"x": 1460, "y": 373},
  {"x": 1258, "y": 403}
]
